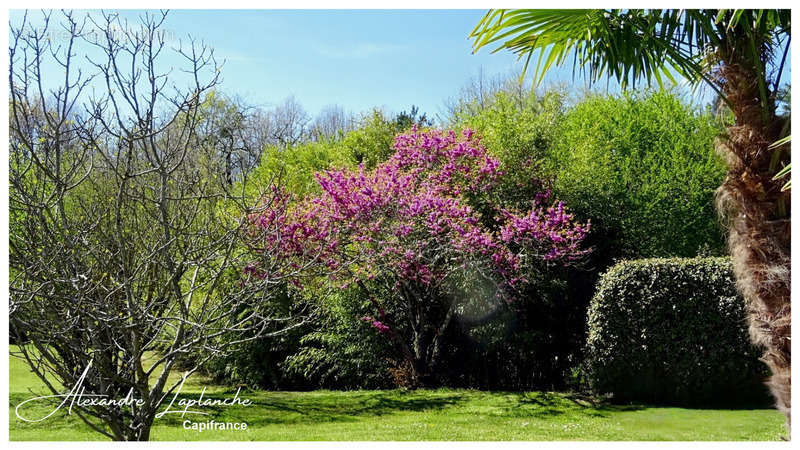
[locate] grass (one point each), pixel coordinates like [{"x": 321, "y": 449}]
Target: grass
[{"x": 414, "y": 415}]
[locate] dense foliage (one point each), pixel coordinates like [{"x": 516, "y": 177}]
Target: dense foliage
[
  {"x": 539, "y": 341},
  {"x": 642, "y": 166},
  {"x": 672, "y": 331},
  {"x": 589, "y": 150},
  {"x": 343, "y": 351},
  {"x": 637, "y": 164}
]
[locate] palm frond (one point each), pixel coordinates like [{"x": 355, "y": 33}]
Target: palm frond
[
  {"x": 629, "y": 45},
  {"x": 785, "y": 172},
  {"x": 787, "y": 169}
]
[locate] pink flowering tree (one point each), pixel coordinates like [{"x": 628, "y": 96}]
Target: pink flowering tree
[{"x": 411, "y": 226}]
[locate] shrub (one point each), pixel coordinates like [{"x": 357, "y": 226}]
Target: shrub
[
  {"x": 519, "y": 128},
  {"x": 642, "y": 167},
  {"x": 672, "y": 331},
  {"x": 343, "y": 351},
  {"x": 636, "y": 164},
  {"x": 256, "y": 363},
  {"x": 295, "y": 166},
  {"x": 372, "y": 141}
]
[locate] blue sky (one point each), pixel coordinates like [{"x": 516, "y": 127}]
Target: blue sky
[{"x": 356, "y": 59}]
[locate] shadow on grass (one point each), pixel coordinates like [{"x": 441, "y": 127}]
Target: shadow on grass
[
  {"x": 548, "y": 404},
  {"x": 287, "y": 407},
  {"x": 270, "y": 408}
]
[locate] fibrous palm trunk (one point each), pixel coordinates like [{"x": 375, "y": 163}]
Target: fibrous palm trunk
[{"x": 758, "y": 219}]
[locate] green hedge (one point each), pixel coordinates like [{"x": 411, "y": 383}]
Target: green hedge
[
  {"x": 672, "y": 331},
  {"x": 642, "y": 166}
]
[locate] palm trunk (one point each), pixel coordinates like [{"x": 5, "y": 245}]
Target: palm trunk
[{"x": 759, "y": 227}]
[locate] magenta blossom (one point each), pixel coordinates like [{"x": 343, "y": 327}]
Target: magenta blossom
[{"x": 410, "y": 221}]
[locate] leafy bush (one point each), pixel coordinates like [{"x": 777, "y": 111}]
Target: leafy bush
[
  {"x": 519, "y": 128},
  {"x": 343, "y": 351},
  {"x": 369, "y": 143},
  {"x": 642, "y": 167},
  {"x": 672, "y": 331},
  {"x": 295, "y": 166},
  {"x": 637, "y": 164},
  {"x": 257, "y": 363}
]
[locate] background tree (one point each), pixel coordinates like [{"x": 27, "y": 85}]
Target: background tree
[
  {"x": 289, "y": 123},
  {"x": 641, "y": 166},
  {"x": 332, "y": 123},
  {"x": 475, "y": 95},
  {"x": 738, "y": 54},
  {"x": 405, "y": 120},
  {"x": 118, "y": 249},
  {"x": 235, "y": 130}
]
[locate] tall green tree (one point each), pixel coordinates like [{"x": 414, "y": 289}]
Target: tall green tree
[{"x": 740, "y": 54}]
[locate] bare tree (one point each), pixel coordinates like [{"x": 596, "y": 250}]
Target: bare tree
[
  {"x": 289, "y": 123},
  {"x": 476, "y": 94},
  {"x": 332, "y": 122},
  {"x": 260, "y": 124},
  {"x": 126, "y": 252}
]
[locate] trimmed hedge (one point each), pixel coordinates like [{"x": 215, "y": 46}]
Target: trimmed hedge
[{"x": 673, "y": 331}]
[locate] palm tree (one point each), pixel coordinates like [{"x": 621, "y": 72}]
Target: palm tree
[{"x": 740, "y": 54}]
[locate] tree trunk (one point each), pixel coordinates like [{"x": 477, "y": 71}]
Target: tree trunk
[
  {"x": 420, "y": 364},
  {"x": 759, "y": 223},
  {"x": 143, "y": 434},
  {"x": 140, "y": 428}
]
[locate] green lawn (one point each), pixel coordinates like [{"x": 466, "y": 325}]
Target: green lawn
[{"x": 417, "y": 415}]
